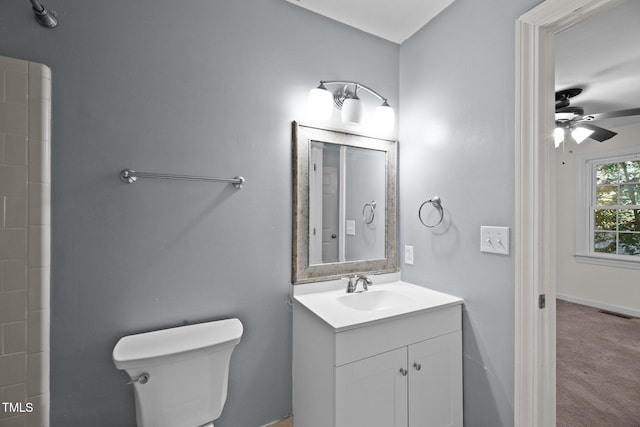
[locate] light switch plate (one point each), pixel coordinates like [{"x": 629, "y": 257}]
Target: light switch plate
[
  {"x": 351, "y": 227},
  {"x": 494, "y": 239}
]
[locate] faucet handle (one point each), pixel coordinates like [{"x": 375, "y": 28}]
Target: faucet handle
[
  {"x": 360, "y": 278},
  {"x": 366, "y": 281}
]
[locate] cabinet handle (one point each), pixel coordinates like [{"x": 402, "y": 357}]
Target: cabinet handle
[
  {"x": 417, "y": 366},
  {"x": 404, "y": 372}
]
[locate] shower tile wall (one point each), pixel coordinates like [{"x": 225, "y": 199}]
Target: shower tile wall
[{"x": 25, "y": 93}]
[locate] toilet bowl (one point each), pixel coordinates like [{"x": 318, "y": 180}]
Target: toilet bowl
[{"x": 179, "y": 375}]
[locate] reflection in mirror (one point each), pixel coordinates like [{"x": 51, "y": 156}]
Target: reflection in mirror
[
  {"x": 344, "y": 204},
  {"x": 346, "y": 186}
]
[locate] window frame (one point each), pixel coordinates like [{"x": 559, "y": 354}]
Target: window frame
[{"x": 586, "y": 206}]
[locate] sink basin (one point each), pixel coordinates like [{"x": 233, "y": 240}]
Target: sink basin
[
  {"x": 373, "y": 300},
  {"x": 344, "y": 311}
]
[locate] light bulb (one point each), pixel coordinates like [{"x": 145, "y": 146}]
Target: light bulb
[
  {"x": 385, "y": 117},
  {"x": 320, "y": 103},
  {"x": 580, "y": 134},
  {"x": 352, "y": 110},
  {"x": 558, "y": 136}
]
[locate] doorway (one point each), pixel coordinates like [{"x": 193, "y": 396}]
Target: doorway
[
  {"x": 535, "y": 225},
  {"x": 597, "y": 218}
]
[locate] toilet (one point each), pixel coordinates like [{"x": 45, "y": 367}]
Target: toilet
[{"x": 179, "y": 375}]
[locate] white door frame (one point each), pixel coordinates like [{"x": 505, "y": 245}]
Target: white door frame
[{"x": 535, "y": 337}]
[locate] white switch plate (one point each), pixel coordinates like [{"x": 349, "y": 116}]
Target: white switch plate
[
  {"x": 351, "y": 227},
  {"x": 408, "y": 255},
  {"x": 494, "y": 240}
]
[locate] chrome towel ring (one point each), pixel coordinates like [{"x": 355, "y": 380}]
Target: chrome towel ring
[
  {"x": 437, "y": 203},
  {"x": 369, "y": 216}
]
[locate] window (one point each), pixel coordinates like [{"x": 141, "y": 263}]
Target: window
[
  {"x": 616, "y": 209},
  {"x": 610, "y": 208}
]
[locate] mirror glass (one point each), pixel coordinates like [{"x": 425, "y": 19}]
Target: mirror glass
[{"x": 344, "y": 204}]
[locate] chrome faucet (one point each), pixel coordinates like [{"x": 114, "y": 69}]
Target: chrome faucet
[{"x": 352, "y": 286}]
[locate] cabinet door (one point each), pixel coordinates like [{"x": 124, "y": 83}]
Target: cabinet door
[
  {"x": 435, "y": 382},
  {"x": 373, "y": 392}
]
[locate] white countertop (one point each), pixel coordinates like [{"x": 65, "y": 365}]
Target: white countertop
[{"x": 414, "y": 298}]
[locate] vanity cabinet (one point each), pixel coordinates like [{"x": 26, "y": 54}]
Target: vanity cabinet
[
  {"x": 402, "y": 371},
  {"x": 435, "y": 382},
  {"x": 372, "y": 392}
]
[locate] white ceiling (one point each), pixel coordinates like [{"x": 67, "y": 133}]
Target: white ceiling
[
  {"x": 602, "y": 56},
  {"x": 395, "y": 20}
]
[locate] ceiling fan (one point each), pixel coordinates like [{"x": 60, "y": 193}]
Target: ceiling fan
[{"x": 573, "y": 120}]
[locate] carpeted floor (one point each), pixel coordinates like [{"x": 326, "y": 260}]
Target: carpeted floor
[{"x": 598, "y": 368}]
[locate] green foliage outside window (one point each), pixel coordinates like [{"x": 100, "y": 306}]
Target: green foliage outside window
[{"x": 617, "y": 208}]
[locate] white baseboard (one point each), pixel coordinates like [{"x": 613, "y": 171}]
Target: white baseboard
[{"x": 601, "y": 305}]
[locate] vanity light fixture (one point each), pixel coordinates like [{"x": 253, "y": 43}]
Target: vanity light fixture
[{"x": 346, "y": 99}]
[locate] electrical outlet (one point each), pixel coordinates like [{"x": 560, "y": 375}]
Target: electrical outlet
[
  {"x": 408, "y": 255},
  {"x": 351, "y": 227},
  {"x": 494, "y": 240}
]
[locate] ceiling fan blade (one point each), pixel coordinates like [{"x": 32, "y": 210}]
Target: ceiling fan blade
[
  {"x": 599, "y": 134},
  {"x": 613, "y": 114}
]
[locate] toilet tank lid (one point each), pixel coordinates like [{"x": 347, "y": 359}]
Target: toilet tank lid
[{"x": 181, "y": 339}]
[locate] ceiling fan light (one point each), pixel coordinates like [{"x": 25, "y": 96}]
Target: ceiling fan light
[
  {"x": 565, "y": 116},
  {"x": 558, "y": 136},
  {"x": 320, "y": 103},
  {"x": 580, "y": 134}
]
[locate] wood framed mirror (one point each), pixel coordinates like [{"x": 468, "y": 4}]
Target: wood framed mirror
[{"x": 344, "y": 204}]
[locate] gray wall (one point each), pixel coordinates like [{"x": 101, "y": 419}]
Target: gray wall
[
  {"x": 203, "y": 88},
  {"x": 457, "y": 141}
]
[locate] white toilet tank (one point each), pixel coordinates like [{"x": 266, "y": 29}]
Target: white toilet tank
[{"x": 181, "y": 373}]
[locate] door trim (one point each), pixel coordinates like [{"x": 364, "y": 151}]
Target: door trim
[{"x": 535, "y": 261}]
